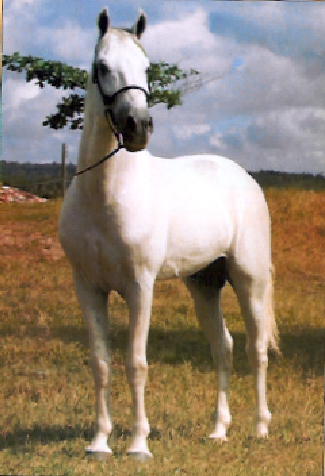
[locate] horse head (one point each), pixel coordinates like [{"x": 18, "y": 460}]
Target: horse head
[{"x": 120, "y": 74}]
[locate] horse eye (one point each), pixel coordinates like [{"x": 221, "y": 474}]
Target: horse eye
[{"x": 103, "y": 69}]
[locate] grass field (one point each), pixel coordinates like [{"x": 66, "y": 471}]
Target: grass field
[{"x": 47, "y": 397}]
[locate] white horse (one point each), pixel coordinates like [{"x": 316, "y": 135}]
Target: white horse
[{"x": 135, "y": 218}]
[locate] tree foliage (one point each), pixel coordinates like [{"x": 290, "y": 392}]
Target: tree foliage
[{"x": 166, "y": 83}]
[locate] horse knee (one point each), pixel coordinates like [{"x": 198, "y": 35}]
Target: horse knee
[
  {"x": 101, "y": 371},
  {"x": 257, "y": 354},
  {"x": 224, "y": 350},
  {"x": 136, "y": 371},
  {"x": 229, "y": 342}
]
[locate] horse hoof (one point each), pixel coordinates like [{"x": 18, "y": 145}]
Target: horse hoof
[
  {"x": 218, "y": 437},
  {"x": 99, "y": 455},
  {"x": 139, "y": 456},
  {"x": 220, "y": 430},
  {"x": 261, "y": 430}
]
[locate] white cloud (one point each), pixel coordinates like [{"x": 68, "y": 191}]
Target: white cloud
[
  {"x": 28, "y": 99},
  {"x": 71, "y": 43},
  {"x": 185, "y": 131},
  {"x": 186, "y": 33},
  {"x": 290, "y": 140},
  {"x": 25, "y": 106},
  {"x": 18, "y": 5},
  {"x": 24, "y": 33},
  {"x": 19, "y": 20},
  {"x": 216, "y": 140},
  {"x": 17, "y": 92},
  {"x": 188, "y": 42}
]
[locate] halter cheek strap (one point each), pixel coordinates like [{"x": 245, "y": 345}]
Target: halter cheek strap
[
  {"x": 108, "y": 100},
  {"x": 109, "y": 114}
]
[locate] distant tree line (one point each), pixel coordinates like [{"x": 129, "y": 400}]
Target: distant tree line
[
  {"x": 44, "y": 180},
  {"x": 299, "y": 181}
]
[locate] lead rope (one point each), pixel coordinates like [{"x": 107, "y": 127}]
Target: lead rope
[
  {"x": 120, "y": 146},
  {"x": 107, "y": 100}
]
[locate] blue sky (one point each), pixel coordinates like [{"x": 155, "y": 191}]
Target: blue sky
[{"x": 261, "y": 96}]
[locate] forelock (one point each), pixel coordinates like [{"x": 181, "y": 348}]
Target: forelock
[
  {"x": 122, "y": 35},
  {"x": 134, "y": 40}
]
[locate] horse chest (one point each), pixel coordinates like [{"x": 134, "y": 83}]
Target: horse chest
[{"x": 105, "y": 245}]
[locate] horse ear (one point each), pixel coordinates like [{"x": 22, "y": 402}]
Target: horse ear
[
  {"x": 103, "y": 22},
  {"x": 140, "y": 24}
]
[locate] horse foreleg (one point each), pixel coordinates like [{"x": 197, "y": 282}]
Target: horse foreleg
[
  {"x": 93, "y": 304},
  {"x": 136, "y": 365}
]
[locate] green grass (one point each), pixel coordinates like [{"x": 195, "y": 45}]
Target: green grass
[{"x": 47, "y": 397}]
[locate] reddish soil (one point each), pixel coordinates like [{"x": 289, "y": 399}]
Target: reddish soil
[{"x": 11, "y": 194}]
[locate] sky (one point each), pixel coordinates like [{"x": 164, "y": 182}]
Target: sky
[{"x": 260, "y": 98}]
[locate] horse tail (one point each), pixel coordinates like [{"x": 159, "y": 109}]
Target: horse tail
[{"x": 270, "y": 323}]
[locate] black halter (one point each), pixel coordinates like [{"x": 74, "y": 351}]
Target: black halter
[{"x": 108, "y": 101}]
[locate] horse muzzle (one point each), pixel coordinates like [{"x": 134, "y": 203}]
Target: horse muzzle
[{"x": 137, "y": 132}]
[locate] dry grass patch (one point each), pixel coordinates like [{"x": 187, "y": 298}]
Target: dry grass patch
[{"x": 47, "y": 396}]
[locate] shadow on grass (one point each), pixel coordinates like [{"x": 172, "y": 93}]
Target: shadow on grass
[
  {"x": 38, "y": 434},
  {"x": 25, "y": 439},
  {"x": 302, "y": 350}
]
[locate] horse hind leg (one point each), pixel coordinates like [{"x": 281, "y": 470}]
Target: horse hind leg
[
  {"x": 93, "y": 304},
  {"x": 252, "y": 296},
  {"x": 221, "y": 344},
  {"x": 205, "y": 288}
]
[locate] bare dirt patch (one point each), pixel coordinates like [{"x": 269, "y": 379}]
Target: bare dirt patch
[{"x": 17, "y": 242}]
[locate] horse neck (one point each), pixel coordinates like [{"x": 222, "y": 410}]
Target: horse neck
[
  {"x": 96, "y": 142},
  {"x": 97, "y": 138}
]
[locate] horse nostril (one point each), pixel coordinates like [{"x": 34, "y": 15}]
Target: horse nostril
[
  {"x": 131, "y": 124},
  {"x": 145, "y": 125},
  {"x": 150, "y": 124}
]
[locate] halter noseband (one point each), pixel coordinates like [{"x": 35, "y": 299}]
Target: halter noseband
[{"x": 108, "y": 101}]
